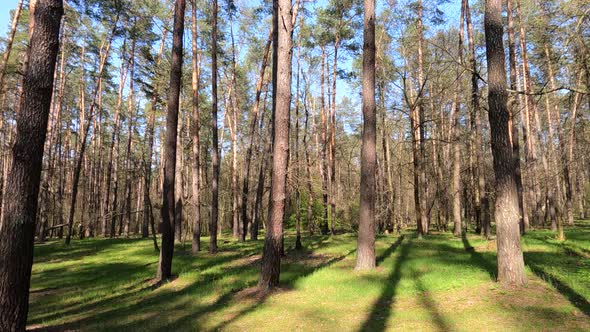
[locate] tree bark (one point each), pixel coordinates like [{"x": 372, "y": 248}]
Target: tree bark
[
  {"x": 271, "y": 257},
  {"x": 168, "y": 209},
  {"x": 365, "y": 258},
  {"x": 510, "y": 258},
  {"x": 19, "y": 212}
]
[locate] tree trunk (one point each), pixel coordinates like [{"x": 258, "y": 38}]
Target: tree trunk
[
  {"x": 233, "y": 128},
  {"x": 296, "y": 164},
  {"x": 415, "y": 129},
  {"x": 510, "y": 258},
  {"x": 332, "y": 148},
  {"x": 168, "y": 209},
  {"x": 365, "y": 258},
  {"x": 214, "y": 139},
  {"x": 455, "y": 134},
  {"x": 131, "y": 106},
  {"x": 271, "y": 256},
  {"x": 196, "y": 167},
  {"x": 324, "y": 162},
  {"x": 178, "y": 178},
  {"x": 19, "y": 212},
  {"x": 423, "y": 187}
]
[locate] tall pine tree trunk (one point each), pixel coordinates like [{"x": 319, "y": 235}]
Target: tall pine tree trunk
[
  {"x": 19, "y": 212},
  {"x": 455, "y": 134},
  {"x": 365, "y": 258},
  {"x": 271, "y": 257},
  {"x": 214, "y": 139},
  {"x": 510, "y": 258},
  {"x": 168, "y": 209}
]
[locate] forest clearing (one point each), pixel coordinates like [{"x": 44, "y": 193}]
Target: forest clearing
[{"x": 433, "y": 284}]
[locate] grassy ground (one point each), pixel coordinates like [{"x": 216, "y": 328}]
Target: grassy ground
[{"x": 428, "y": 284}]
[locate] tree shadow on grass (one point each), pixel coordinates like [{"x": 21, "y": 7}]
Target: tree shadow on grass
[
  {"x": 429, "y": 304},
  {"x": 113, "y": 312},
  {"x": 479, "y": 259},
  {"x": 55, "y": 251},
  {"x": 377, "y": 319},
  {"x": 91, "y": 281},
  {"x": 575, "y": 298},
  {"x": 260, "y": 297},
  {"x": 387, "y": 253}
]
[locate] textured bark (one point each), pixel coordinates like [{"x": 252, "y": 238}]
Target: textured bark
[
  {"x": 271, "y": 257},
  {"x": 365, "y": 258},
  {"x": 214, "y": 139},
  {"x": 19, "y": 212},
  {"x": 168, "y": 209},
  {"x": 510, "y": 258}
]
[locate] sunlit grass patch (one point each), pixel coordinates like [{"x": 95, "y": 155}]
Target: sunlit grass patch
[{"x": 433, "y": 283}]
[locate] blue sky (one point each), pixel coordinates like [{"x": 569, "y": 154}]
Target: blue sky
[
  {"x": 5, "y": 7},
  {"x": 451, "y": 12}
]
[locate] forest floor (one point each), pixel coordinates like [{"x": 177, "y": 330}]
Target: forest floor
[{"x": 437, "y": 283}]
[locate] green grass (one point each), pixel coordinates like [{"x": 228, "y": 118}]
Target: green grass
[{"x": 432, "y": 283}]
